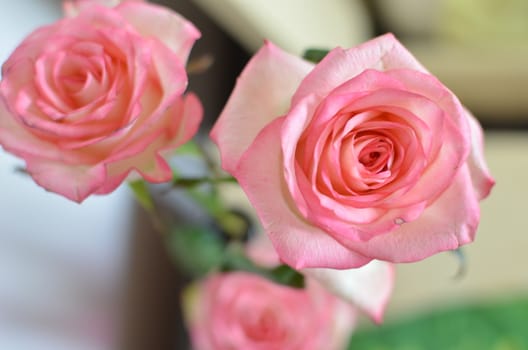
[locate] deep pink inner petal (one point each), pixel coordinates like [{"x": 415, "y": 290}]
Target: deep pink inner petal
[
  {"x": 358, "y": 157},
  {"x": 363, "y": 154},
  {"x": 89, "y": 90}
]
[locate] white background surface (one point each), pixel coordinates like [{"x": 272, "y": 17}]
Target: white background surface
[{"x": 61, "y": 264}]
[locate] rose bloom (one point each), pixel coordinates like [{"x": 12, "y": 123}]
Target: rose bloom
[
  {"x": 240, "y": 310},
  {"x": 89, "y": 99},
  {"x": 368, "y": 287},
  {"x": 363, "y": 156}
]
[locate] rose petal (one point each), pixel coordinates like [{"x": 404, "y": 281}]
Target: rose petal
[
  {"x": 480, "y": 174},
  {"x": 190, "y": 114},
  {"x": 299, "y": 244},
  {"x": 72, "y": 8},
  {"x": 18, "y": 140},
  {"x": 147, "y": 157},
  {"x": 444, "y": 162},
  {"x": 368, "y": 287},
  {"x": 161, "y": 112},
  {"x": 78, "y": 182},
  {"x": 451, "y": 221},
  {"x": 382, "y": 53},
  {"x": 73, "y": 182},
  {"x": 262, "y": 93},
  {"x": 163, "y": 24}
]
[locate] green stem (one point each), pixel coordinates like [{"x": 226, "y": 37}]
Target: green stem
[
  {"x": 209, "y": 198},
  {"x": 230, "y": 223},
  {"x": 201, "y": 180},
  {"x": 141, "y": 193}
]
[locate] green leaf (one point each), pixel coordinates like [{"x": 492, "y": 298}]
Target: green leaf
[
  {"x": 500, "y": 325},
  {"x": 208, "y": 199},
  {"x": 142, "y": 194},
  {"x": 235, "y": 260},
  {"x": 315, "y": 55},
  {"x": 283, "y": 274},
  {"x": 196, "y": 249},
  {"x": 189, "y": 148}
]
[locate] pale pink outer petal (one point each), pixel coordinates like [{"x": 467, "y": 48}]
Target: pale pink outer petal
[
  {"x": 46, "y": 164},
  {"x": 382, "y": 53},
  {"x": 73, "y": 182},
  {"x": 369, "y": 287},
  {"x": 344, "y": 324},
  {"x": 72, "y": 8},
  {"x": 162, "y": 24},
  {"x": 297, "y": 242},
  {"x": 17, "y": 140},
  {"x": 51, "y": 170},
  {"x": 480, "y": 174},
  {"x": 262, "y": 93},
  {"x": 260, "y": 250},
  {"x": 186, "y": 114},
  {"x": 450, "y": 222}
]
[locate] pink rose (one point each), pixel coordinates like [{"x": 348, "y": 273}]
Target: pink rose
[
  {"x": 368, "y": 287},
  {"x": 89, "y": 99},
  {"x": 240, "y": 310},
  {"x": 362, "y": 156}
]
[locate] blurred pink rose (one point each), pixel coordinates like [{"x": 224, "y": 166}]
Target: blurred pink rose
[
  {"x": 368, "y": 287},
  {"x": 89, "y": 99},
  {"x": 240, "y": 310},
  {"x": 73, "y": 7},
  {"x": 363, "y": 156}
]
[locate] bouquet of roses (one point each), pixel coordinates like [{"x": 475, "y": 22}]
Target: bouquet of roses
[{"x": 352, "y": 161}]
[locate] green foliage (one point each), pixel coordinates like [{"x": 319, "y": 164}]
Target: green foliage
[
  {"x": 189, "y": 148},
  {"x": 314, "y": 55},
  {"x": 202, "y": 248},
  {"x": 196, "y": 249},
  {"x": 235, "y": 260},
  {"x": 283, "y": 274},
  {"x": 502, "y": 326},
  {"x": 142, "y": 194}
]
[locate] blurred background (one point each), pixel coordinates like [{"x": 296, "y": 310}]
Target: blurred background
[{"x": 96, "y": 276}]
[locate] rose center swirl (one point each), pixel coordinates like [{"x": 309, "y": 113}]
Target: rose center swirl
[{"x": 376, "y": 156}]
